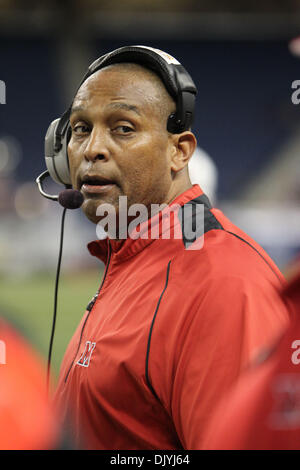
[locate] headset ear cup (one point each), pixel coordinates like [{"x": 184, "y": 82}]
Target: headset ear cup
[{"x": 57, "y": 161}]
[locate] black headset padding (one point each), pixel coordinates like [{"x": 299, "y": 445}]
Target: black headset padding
[{"x": 151, "y": 60}]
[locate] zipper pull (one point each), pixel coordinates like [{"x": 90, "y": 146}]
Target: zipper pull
[{"x": 92, "y": 302}]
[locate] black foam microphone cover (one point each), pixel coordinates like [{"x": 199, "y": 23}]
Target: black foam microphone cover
[{"x": 70, "y": 198}]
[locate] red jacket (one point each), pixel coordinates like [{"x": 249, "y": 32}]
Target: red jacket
[
  {"x": 170, "y": 330},
  {"x": 262, "y": 411}
]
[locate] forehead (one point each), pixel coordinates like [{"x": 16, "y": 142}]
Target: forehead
[{"x": 134, "y": 85}]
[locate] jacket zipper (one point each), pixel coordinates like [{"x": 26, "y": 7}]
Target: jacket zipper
[{"x": 89, "y": 308}]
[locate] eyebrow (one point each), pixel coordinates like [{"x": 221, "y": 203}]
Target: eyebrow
[
  {"x": 125, "y": 106},
  {"x": 75, "y": 109}
]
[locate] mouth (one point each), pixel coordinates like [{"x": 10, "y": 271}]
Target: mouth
[{"x": 93, "y": 184}]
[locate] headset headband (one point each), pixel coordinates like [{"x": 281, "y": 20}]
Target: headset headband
[{"x": 176, "y": 79}]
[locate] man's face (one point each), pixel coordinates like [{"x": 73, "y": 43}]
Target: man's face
[{"x": 119, "y": 144}]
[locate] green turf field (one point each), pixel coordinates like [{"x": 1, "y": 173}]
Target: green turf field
[{"x": 28, "y": 302}]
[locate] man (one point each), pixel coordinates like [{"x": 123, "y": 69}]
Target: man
[
  {"x": 262, "y": 411},
  {"x": 174, "y": 321}
]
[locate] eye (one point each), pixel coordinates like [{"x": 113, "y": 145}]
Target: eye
[
  {"x": 80, "y": 129},
  {"x": 123, "y": 130}
]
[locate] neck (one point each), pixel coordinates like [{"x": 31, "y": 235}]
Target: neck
[
  {"x": 178, "y": 187},
  {"x": 125, "y": 224}
]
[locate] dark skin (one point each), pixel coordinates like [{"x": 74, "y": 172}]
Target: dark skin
[{"x": 119, "y": 134}]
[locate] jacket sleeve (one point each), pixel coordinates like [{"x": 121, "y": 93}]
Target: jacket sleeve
[{"x": 209, "y": 344}]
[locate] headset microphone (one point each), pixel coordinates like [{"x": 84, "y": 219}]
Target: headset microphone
[{"x": 70, "y": 198}]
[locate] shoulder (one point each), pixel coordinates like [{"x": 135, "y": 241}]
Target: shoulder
[{"x": 223, "y": 250}]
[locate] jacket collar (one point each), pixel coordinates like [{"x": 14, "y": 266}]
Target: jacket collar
[{"x": 124, "y": 249}]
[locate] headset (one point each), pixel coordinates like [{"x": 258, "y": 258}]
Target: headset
[{"x": 176, "y": 79}]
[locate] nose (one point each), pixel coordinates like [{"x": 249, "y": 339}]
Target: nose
[{"x": 96, "y": 148}]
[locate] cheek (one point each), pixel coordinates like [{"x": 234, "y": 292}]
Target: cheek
[
  {"x": 154, "y": 164},
  {"x": 146, "y": 169},
  {"x": 150, "y": 155}
]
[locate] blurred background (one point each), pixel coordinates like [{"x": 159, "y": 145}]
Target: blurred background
[{"x": 243, "y": 57}]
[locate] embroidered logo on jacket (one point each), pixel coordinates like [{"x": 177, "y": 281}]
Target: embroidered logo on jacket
[{"x": 85, "y": 358}]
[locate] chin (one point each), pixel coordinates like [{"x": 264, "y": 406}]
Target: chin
[
  {"x": 89, "y": 209},
  {"x": 90, "y": 206}
]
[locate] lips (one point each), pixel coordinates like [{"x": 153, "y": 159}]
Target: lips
[{"x": 94, "y": 184}]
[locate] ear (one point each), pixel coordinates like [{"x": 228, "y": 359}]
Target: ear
[{"x": 184, "y": 147}]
